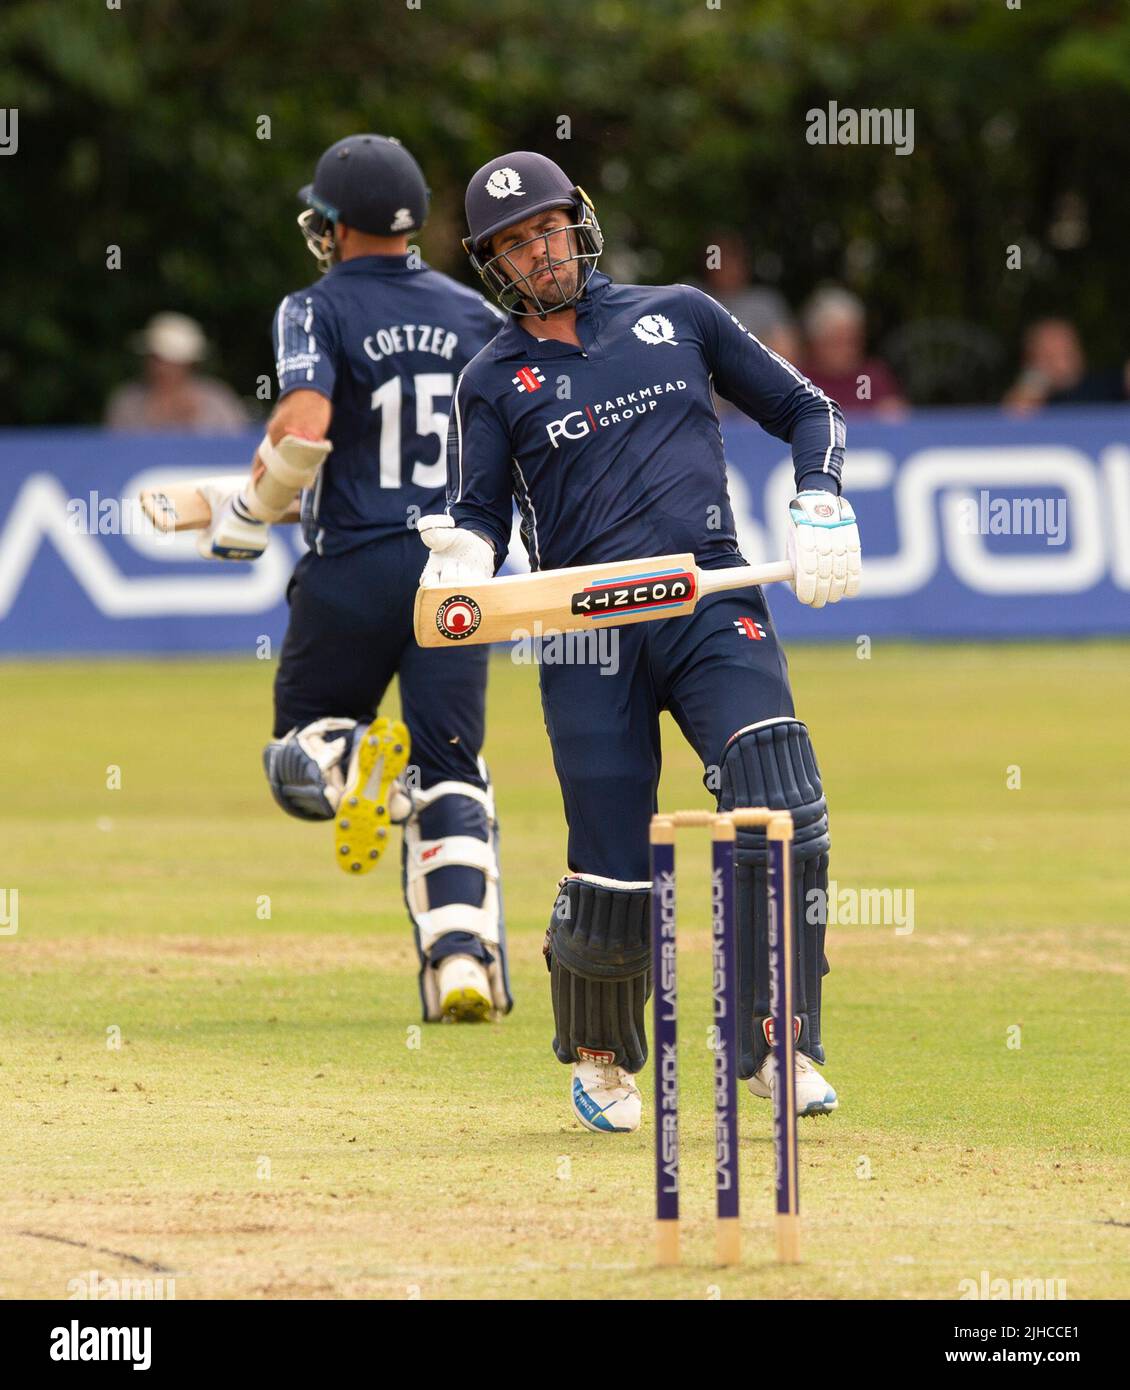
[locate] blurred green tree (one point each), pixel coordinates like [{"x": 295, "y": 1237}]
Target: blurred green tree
[{"x": 141, "y": 127}]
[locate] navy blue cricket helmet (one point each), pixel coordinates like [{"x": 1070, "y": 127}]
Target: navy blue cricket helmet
[
  {"x": 369, "y": 182},
  {"x": 509, "y": 189}
]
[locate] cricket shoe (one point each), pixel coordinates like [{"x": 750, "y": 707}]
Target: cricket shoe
[
  {"x": 605, "y": 1097},
  {"x": 464, "y": 989},
  {"x": 813, "y": 1094},
  {"x": 361, "y": 829}
]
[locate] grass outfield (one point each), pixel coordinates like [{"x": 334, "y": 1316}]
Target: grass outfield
[{"x": 274, "y": 1123}]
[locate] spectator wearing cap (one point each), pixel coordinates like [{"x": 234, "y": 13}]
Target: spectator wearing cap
[
  {"x": 1055, "y": 371},
  {"x": 172, "y": 395},
  {"x": 835, "y": 327}
]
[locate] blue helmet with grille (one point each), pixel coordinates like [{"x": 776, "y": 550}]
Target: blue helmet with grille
[
  {"x": 368, "y": 182},
  {"x": 510, "y": 189}
]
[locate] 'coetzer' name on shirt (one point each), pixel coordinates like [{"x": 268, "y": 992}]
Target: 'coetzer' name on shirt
[{"x": 411, "y": 337}]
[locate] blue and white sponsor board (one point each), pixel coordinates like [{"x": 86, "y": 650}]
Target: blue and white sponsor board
[{"x": 974, "y": 524}]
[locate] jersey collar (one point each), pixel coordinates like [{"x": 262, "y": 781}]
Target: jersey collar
[
  {"x": 378, "y": 265},
  {"x": 515, "y": 340}
]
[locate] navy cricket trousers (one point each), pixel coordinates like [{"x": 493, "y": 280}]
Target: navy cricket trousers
[
  {"x": 350, "y": 632},
  {"x": 716, "y": 671}
]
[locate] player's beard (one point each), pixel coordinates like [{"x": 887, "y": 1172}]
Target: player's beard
[{"x": 555, "y": 290}]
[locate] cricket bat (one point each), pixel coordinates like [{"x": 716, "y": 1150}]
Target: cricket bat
[
  {"x": 183, "y": 506},
  {"x": 606, "y": 594}
]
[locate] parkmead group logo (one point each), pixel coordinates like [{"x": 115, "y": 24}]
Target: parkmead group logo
[
  {"x": 505, "y": 183},
  {"x": 577, "y": 424}
]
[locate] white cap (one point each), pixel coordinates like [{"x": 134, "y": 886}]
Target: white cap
[
  {"x": 831, "y": 305},
  {"x": 173, "y": 338}
]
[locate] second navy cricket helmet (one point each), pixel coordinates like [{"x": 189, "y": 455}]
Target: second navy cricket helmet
[
  {"x": 369, "y": 182},
  {"x": 509, "y": 189}
]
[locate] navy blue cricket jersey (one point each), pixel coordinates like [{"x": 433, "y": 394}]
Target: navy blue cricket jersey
[
  {"x": 614, "y": 449},
  {"x": 384, "y": 341}
]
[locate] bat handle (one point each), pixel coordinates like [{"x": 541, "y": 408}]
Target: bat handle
[{"x": 742, "y": 576}]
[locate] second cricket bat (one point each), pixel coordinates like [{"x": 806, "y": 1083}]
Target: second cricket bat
[{"x": 607, "y": 594}]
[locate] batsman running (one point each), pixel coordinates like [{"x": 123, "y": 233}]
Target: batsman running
[
  {"x": 594, "y": 409},
  {"x": 367, "y": 362}
]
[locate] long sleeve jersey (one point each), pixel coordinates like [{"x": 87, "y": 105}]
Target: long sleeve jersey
[{"x": 613, "y": 449}]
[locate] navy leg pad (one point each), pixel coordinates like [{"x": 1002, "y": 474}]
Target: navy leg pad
[
  {"x": 598, "y": 949},
  {"x": 773, "y": 764}
]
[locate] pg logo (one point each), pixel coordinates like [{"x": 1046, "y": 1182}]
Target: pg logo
[{"x": 571, "y": 426}]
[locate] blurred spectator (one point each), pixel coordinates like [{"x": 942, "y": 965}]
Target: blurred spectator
[
  {"x": 835, "y": 329},
  {"x": 172, "y": 395},
  {"x": 764, "y": 311},
  {"x": 1054, "y": 371}
]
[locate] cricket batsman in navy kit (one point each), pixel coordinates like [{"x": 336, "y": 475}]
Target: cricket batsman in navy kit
[
  {"x": 631, "y": 464},
  {"x": 367, "y": 363}
]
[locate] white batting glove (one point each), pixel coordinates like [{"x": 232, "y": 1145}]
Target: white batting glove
[
  {"x": 234, "y": 533},
  {"x": 458, "y": 556},
  {"x": 823, "y": 546}
]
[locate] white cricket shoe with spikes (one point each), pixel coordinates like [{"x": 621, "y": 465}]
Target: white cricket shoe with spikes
[
  {"x": 464, "y": 989},
  {"x": 605, "y": 1097},
  {"x": 813, "y": 1094}
]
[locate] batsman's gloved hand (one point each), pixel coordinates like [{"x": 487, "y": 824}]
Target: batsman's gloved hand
[
  {"x": 823, "y": 547},
  {"x": 234, "y": 533},
  {"x": 458, "y": 556}
]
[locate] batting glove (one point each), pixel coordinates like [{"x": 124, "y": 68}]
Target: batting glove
[
  {"x": 458, "y": 556},
  {"x": 823, "y": 546},
  {"x": 234, "y": 533}
]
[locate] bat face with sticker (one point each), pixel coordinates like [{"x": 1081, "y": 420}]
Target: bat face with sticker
[{"x": 577, "y": 599}]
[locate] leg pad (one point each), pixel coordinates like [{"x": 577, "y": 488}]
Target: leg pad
[
  {"x": 598, "y": 949},
  {"x": 772, "y": 764}
]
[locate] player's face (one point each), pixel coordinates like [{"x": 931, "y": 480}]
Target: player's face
[{"x": 537, "y": 254}]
